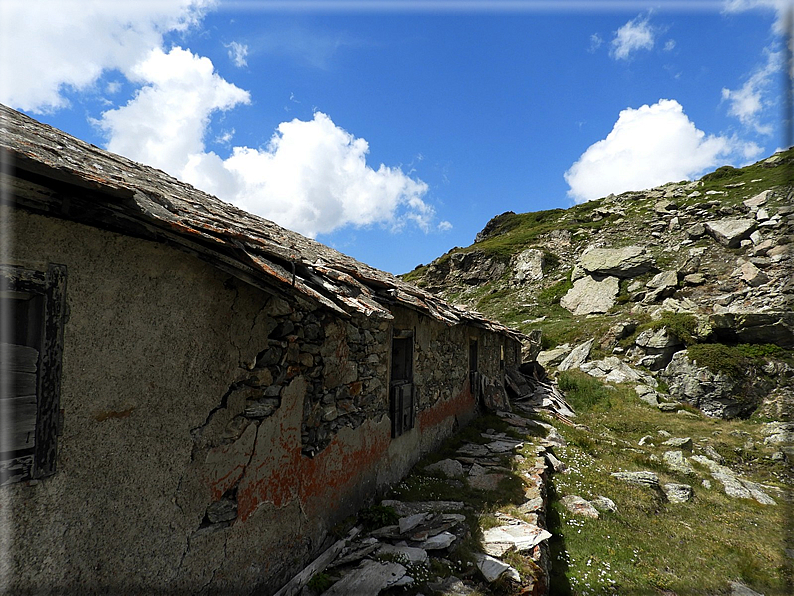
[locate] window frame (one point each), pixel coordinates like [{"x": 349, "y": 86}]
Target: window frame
[{"x": 50, "y": 284}]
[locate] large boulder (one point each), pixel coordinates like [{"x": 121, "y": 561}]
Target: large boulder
[
  {"x": 716, "y": 394},
  {"x": 731, "y": 232},
  {"x": 628, "y": 261},
  {"x": 588, "y": 295}
]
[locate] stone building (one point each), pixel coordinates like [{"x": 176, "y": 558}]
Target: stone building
[{"x": 194, "y": 396}]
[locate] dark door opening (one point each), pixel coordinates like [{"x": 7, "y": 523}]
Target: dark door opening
[{"x": 401, "y": 390}]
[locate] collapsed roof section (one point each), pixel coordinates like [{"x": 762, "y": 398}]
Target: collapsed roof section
[{"x": 56, "y": 174}]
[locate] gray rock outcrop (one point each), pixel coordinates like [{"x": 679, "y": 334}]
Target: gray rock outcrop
[
  {"x": 716, "y": 394},
  {"x": 625, "y": 262},
  {"x": 589, "y": 295}
]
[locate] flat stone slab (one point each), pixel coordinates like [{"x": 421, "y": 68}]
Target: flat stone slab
[
  {"x": 590, "y": 296},
  {"x": 409, "y": 522},
  {"x": 403, "y": 508},
  {"x": 492, "y": 569},
  {"x": 521, "y": 537},
  {"x": 411, "y": 553},
  {"x": 474, "y": 450},
  {"x": 627, "y": 261},
  {"x": 730, "y": 232},
  {"x": 439, "y": 541},
  {"x": 504, "y": 445},
  {"x": 369, "y": 578},
  {"x": 577, "y": 356}
]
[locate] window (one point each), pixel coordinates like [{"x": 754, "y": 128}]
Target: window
[
  {"x": 401, "y": 389},
  {"x": 474, "y": 375},
  {"x": 31, "y": 341}
]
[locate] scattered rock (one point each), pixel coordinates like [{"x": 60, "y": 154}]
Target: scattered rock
[
  {"x": 644, "y": 478},
  {"x": 647, "y": 394},
  {"x": 579, "y": 506},
  {"x": 577, "y": 356},
  {"x": 603, "y": 503},
  {"x": 760, "y": 199},
  {"x": 554, "y": 356},
  {"x": 676, "y": 462},
  {"x": 739, "y": 589},
  {"x": 677, "y": 493},
  {"x": 451, "y": 468},
  {"x": 613, "y": 370},
  {"x": 753, "y": 276},
  {"x": 684, "y": 443},
  {"x": 733, "y": 485}
]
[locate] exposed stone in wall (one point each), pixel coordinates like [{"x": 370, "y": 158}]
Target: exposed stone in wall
[{"x": 350, "y": 388}]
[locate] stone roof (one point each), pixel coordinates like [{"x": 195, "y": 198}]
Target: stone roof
[{"x": 62, "y": 176}]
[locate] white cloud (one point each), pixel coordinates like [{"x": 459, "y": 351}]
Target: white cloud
[
  {"x": 237, "y": 54},
  {"x": 749, "y": 101},
  {"x": 595, "y": 42},
  {"x": 47, "y": 46},
  {"x": 669, "y": 45},
  {"x": 312, "y": 177},
  {"x": 443, "y": 226},
  {"x": 635, "y": 35},
  {"x": 649, "y": 146},
  {"x": 165, "y": 122}
]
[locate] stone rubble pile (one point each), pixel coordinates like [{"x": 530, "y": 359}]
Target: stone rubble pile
[{"x": 402, "y": 554}]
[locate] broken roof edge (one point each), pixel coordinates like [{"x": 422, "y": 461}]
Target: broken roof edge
[{"x": 222, "y": 231}]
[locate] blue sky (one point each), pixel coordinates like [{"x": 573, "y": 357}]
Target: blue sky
[{"x": 394, "y": 131}]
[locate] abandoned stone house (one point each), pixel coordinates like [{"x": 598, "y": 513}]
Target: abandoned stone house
[{"x": 192, "y": 395}]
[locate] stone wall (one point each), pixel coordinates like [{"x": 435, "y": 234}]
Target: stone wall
[{"x": 212, "y": 433}]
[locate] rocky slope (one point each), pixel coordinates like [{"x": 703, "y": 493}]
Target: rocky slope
[{"x": 685, "y": 290}]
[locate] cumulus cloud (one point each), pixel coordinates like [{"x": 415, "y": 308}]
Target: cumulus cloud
[
  {"x": 311, "y": 177},
  {"x": 237, "y": 54},
  {"x": 648, "y": 146},
  {"x": 635, "y": 35},
  {"x": 76, "y": 41},
  {"x": 164, "y": 123}
]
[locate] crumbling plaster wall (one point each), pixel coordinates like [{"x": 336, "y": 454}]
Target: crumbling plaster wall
[{"x": 213, "y": 433}]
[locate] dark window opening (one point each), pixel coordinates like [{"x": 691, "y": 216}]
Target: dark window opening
[
  {"x": 474, "y": 375},
  {"x": 31, "y": 340},
  {"x": 401, "y": 390}
]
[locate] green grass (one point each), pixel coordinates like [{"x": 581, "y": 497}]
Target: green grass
[{"x": 649, "y": 545}]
